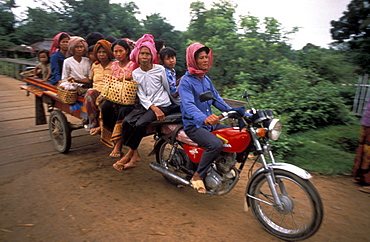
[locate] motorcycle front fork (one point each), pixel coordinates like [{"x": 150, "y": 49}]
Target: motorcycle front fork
[{"x": 269, "y": 172}]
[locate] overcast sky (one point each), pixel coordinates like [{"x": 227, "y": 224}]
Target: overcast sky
[{"x": 313, "y": 16}]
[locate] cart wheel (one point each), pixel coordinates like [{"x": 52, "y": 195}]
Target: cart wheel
[{"x": 59, "y": 130}]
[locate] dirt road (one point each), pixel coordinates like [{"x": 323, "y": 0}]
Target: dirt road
[{"x": 47, "y": 196}]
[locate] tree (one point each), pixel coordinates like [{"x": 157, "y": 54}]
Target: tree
[
  {"x": 160, "y": 29},
  {"x": 263, "y": 43},
  {"x": 80, "y": 18},
  {"x": 7, "y": 22},
  {"x": 353, "y": 29},
  {"x": 122, "y": 21},
  {"x": 330, "y": 64},
  {"x": 35, "y": 27},
  {"x": 85, "y": 16}
]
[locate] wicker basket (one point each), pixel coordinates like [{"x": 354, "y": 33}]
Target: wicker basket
[
  {"x": 67, "y": 96},
  {"x": 120, "y": 92}
]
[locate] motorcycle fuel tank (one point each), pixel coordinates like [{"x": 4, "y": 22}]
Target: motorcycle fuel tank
[{"x": 234, "y": 141}]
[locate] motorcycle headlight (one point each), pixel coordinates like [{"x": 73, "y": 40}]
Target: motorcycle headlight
[{"x": 274, "y": 129}]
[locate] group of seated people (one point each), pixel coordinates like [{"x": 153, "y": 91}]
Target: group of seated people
[{"x": 150, "y": 64}]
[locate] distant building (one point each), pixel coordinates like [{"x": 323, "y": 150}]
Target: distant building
[
  {"x": 20, "y": 51},
  {"x": 28, "y": 52},
  {"x": 44, "y": 45}
]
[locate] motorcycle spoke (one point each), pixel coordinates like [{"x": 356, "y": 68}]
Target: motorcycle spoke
[
  {"x": 296, "y": 213},
  {"x": 268, "y": 197}
]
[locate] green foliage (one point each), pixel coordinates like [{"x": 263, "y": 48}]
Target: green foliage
[
  {"x": 303, "y": 98},
  {"x": 328, "y": 64},
  {"x": 341, "y": 137},
  {"x": 352, "y": 30},
  {"x": 320, "y": 158},
  {"x": 328, "y": 151},
  {"x": 35, "y": 28},
  {"x": 7, "y": 22}
]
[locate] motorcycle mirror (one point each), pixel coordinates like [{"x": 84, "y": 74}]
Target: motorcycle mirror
[
  {"x": 245, "y": 95},
  {"x": 206, "y": 96}
]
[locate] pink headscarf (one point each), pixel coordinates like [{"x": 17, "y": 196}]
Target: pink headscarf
[
  {"x": 147, "y": 40},
  {"x": 55, "y": 45},
  {"x": 192, "y": 63}
]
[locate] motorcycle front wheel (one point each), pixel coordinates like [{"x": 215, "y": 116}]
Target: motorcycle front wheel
[{"x": 302, "y": 210}]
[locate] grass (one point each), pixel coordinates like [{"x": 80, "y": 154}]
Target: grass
[{"x": 328, "y": 151}]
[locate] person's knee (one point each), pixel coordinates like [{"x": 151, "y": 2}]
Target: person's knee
[
  {"x": 141, "y": 125},
  {"x": 215, "y": 146}
]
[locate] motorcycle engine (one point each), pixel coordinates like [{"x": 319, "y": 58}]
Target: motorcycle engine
[
  {"x": 220, "y": 172},
  {"x": 225, "y": 162}
]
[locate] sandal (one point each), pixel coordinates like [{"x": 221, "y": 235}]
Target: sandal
[
  {"x": 119, "y": 166},
  {"x": 365, "y": 189},
  {"x": 130, "y": 165},
  {"x": 198, "y": 186},
  {"x": 116, "y": 154}
]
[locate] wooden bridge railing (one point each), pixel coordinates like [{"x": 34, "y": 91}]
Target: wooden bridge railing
[{"x": 12, "y": 67}]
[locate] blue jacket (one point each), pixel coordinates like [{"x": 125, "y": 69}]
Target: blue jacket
[
  {"x": 193, "y": 111},
  {"x": 56, "y": 66}
]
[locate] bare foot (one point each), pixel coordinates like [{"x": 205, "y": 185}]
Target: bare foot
[
  {"x": 95, "y": 131},
  {"x": 116, "y": 154},
  {"x": 134, "y": 160},
  {"x": 129, "y": 165},
  {"x": 125, "y": 159}
]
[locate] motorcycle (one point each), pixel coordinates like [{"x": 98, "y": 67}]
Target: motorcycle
[{"x": 280, "y": 195}]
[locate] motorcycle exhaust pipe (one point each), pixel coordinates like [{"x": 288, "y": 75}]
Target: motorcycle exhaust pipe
[{"x": 158, "y": 168}]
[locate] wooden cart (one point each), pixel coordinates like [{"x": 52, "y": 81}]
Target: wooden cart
[{"x": 59, "y": 127}]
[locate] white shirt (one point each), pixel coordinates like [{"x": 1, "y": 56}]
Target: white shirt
[
  {"x": 153, "y": 86},
  {"x": 75, "y": 69}
]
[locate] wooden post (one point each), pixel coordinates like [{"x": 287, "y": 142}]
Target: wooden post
[{"x": 357, "y": 94}]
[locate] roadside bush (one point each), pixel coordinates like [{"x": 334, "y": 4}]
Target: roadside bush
[
  {"x": 304, "y": 99},
  {"x": 328, "y": 150}
]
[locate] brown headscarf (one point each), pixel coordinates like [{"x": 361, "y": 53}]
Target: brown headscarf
[
  {"x": 106, "y": 46},
  {"x": 192, "y": 63},
  {"x": 72, "y": 44}
]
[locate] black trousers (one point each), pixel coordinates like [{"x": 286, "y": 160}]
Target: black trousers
[
  {"x": 211, "y": 144},
  {"x": 112, "y": 112},
  {"x": 135, "y": 124}
]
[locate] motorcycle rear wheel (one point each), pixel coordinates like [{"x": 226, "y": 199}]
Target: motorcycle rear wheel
[
  {"x": 173, "y": 165},
  {"x": 302, "y": 211}
]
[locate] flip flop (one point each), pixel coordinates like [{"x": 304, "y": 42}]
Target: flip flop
[
  {"x": 119, "y": 166},
  {"x": 116, "y": 154},
  {"x": 128, "y": 165},
  {"x": 198, "y": 186},
  {"x": 365, "y": 189}
]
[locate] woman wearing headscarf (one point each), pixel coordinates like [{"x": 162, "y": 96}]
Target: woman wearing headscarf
[
  {"x": 58, "y": 53},
  {"x": 197, "y": 116},
  {"x": 77, "y": 66},
  {"x": 113, "y": 113},
  {"x": 153, "y": 93},
  {"x": 102, "y": 66}
]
